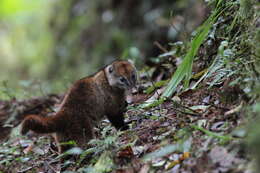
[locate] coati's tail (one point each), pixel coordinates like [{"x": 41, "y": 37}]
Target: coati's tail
[
  {"x": 4, "y": 131},
  {"x": 40, "y": 124}
]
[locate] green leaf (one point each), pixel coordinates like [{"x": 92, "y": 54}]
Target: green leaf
[
  {"x": 212, "y": 134},
  {"x": 104, "y": 163},
  {"x": 185, "y": 69},
  {"x": 182, "y": 146},
  {"x": 155, "y": 86},
  {"x": 15, "y": 7},
  {"x": 162, "y": 152}
]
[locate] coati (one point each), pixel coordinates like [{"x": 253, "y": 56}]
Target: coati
[{"x": 86, "y": 103}]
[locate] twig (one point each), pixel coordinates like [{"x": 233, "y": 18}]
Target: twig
[
  {"x": 156, "y": 43},
  {"x": 154, "y": 87},
  {"x": 189, "y": 113},
  {"x": 218, "y": 107},
  {"x": 185, "y": 107},
  {"x": 26, "y": 169},
  {"x": 48, "y": 165}
]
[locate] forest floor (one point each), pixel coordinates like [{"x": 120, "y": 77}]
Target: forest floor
[{"x": 197, "y": 131}]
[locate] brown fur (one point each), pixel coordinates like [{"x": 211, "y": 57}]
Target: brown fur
[{"x": 86, "y": 103}]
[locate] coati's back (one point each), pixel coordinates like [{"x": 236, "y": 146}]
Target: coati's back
[
  {"x": 102, "y": 92},
  {"x": 88, "y": 100}
]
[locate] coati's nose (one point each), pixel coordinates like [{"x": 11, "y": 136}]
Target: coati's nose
[{"x": 134, "y": 90}]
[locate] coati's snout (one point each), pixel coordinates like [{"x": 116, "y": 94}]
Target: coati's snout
[{"x": 122, "y": 75}]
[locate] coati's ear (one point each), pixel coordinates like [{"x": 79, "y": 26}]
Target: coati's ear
[
  {"x": 110, "y": 69},
  {"x": 131, "y": 61}
]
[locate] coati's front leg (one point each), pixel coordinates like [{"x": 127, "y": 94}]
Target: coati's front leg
[
  {"x": 118, "y": 121},
  {"x": 116, "y": 117}
]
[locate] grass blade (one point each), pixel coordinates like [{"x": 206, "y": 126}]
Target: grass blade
[{"x": 185, "y": 69}]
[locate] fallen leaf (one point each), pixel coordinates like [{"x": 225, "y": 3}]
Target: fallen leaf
[
  {"x": 218, "y": 126},
  {"x": 221, "y": 157},
  {"x": 145, "y": 169},
  {"x": 127, "y": 152},
  {"x": 201, "y": 108},
  {"x": 235, "y": 110},
  {"x": 28, "y": 149}
]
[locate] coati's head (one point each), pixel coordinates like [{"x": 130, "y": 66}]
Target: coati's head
[{"x": 122, "y": 74}]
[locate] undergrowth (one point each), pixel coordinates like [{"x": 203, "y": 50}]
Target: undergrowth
[
  {"x": 233, "y": 32},
  {"x": 228, "y": 43}
]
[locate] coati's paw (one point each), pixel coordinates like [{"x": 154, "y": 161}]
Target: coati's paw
[{"x": 125, "y": 127}]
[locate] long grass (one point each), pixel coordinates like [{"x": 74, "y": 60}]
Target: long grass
[{"x": 185, "y": 69}]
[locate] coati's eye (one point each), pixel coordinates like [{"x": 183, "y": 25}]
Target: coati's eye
[
  {"x": 133, "y": 76},
  {"x": 122, "y": 80}
]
